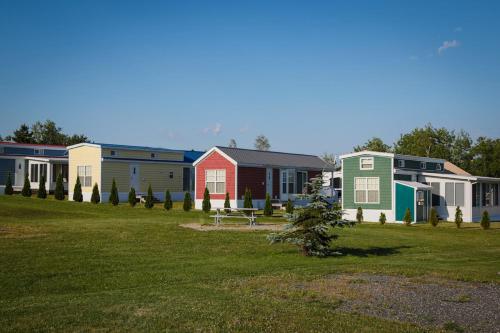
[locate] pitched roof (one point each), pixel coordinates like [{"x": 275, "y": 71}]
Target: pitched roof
[
  {"x": 192, "y": 155},
  {"x": 250, "y": 157},
  {"x": 413, "y": 184},
  {"x": 450, "y": 167}
]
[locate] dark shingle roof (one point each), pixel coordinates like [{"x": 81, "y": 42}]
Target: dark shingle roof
[{"x": 251, "y": 157}]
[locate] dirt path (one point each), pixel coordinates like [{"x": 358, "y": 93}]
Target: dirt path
[{"x": 233, "y": 227}]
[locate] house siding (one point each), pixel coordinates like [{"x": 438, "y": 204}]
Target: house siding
[
  {"x": 405, "y": 198},
  {"x": 254, "y": 179},
  {"x": 382, "y": 169},
  {"x": 83, "y": 156},
  {"x": 215, "y": 161},
  {"x": 142, "y": 154},
  {"x": 276, "y": 183}
]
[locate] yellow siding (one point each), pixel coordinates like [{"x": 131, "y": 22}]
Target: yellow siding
[
  {"x": 125, "y": 153},
  {"x": 83, "y": 156},
  {"x": 120, "y": 171}
]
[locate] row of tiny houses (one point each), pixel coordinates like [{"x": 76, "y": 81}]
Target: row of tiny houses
[
  {"x": 131, "y": 166},
  {"x": 391, "y": 183},
  {"x": 35, "y": 161},
  {"x": 233, "y": 170}
]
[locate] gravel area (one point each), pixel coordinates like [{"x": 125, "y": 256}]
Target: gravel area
[{"x": 232, "y": 227}]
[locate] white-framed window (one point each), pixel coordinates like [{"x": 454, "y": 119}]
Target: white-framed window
[
  {"x": 423, "y": 165},
  {"x": 84, "y": 172},
  {"x": 366, "y": 163},
  {"x": 366, "y": 190},
  {"x": 34, "y": 173},
  {"x": 215, "y": 181},
  {"x": 401, "y": 163},
  {"x": 438, "y": 167}
]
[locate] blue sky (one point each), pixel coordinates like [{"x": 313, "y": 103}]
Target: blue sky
[{"x": 312, "y": 76}]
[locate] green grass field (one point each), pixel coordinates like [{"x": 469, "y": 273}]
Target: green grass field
[{"x": 80, "y": 267}]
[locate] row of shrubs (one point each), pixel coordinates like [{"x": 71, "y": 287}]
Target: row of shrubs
[
  {"x": 433, "y": 218},
  {"x": 42, "y": 191}
]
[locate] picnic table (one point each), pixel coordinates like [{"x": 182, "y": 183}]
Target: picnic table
[{"x": 237, "y": 213}]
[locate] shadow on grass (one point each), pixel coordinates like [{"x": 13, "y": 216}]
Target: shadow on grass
[{"x": 371, "y": 251}]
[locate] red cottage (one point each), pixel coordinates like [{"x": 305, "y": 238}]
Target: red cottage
[{"x": 231, "y": 170}]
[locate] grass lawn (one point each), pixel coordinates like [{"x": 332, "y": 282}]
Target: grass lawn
[{"x": 77, "y": 267}]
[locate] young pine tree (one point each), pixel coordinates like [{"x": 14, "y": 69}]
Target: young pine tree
[
  {"x": 382, "y": 218},
  {"x": 188, "y": 203},
  {"x": 132, "y": 198},
  {"x": 289, "y": 208},
  {"x": 77, "y": 191},
  {"x": 206, "y": 205},
  {"x": 407, "y": 219},
  {"x": 149, "y": 203},
  {"x": 458, "y": 217},
  {"x": 26, "y": 191},
  {"x": 309, "y": 227},
  {"x": 268, "y": 208},
  {"x": 359, "y": 215},
  {"x": 227, "y": 203},
  {"x": 113, "y": 195},
  {"x": 96, "y": 197},
  {"x": 433, "y": 218},
  {"x": 485, "y": 220},
  {"x": 42, "y": 191},
  {"x": 247, "y": 200},
  {"x": 59, "y": 190},
  {"x": 168, "y": 201},
  {"x": 9, "y": 190}
]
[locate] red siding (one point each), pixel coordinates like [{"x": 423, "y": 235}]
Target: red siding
[
  {"x": 313, "y": 174},
  {"x": 215, "y": 161},
  {"x": 254, "y": 179},
  {"x": 276, "y": 183}
]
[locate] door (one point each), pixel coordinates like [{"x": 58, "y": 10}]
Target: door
[
  {"x": 134, "y": 177},
  {"x": 269, "y": 181},
  {"x": 283, "y": 185},
  {"x": 288, "y": 183},
  {"x": 422, "y": 205}
]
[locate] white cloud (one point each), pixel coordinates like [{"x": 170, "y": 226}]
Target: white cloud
[
  {"x": 215, "y": 130},
  {"x": 447, "y": 44}
]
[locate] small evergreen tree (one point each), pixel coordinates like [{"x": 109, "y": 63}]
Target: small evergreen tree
[
  {"x": 77, "y": 191},
  {"x": 188, "y": 203},
  {"x": 168, "y": 201},
  {"x": 149, "y": 198},
  {"x": 227, "y": 203},
  {"x": 206, "y": 205},
  {"x": 309, "y": 228},
  {"x": 114, "y": 199},
  {"x": 26, "y": 191},
  {"x": 247, "y": 200},
  {"x": 42, "y": 192},
  {"x": 132, "y": 198},
  {"x": 268, "y": 208},
  {"x": 407, "y": 218},
  {"x": 9, "y": 190},
  {"x": 382, "y": 218},
  {"x": 485, "y": 220},
  {"x": 359, "y": 215},
  {"x": 59, "y": 190},
  {"x": 433, "y": 218},
  {"x": 458, "y": 217},
  {"x": 96, "y": 197},
  {"x": 289, "y": 207}
]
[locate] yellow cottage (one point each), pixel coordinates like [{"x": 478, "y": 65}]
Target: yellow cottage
[{"x": 130, "y": 166}]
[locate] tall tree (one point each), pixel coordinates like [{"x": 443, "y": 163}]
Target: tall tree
[
  {"x": 262, "y": 143},
  {"x": 486, "y": 157},
  {"x": 374, "y": 144},
  {"x": 45, "y": 133},
  {"x": 232, "y": 143},
  {"x": 22, "y": 135},
  {"x": 426, "y": 142}
]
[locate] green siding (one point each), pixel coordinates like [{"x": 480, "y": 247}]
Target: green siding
[
  {"x": 382, "y": 168},
  {"x": 405, "y": 198}
]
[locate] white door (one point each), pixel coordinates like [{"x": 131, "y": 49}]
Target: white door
[
  {"x": 269, "y": 181},
  {"x": 134, "y": 177}
]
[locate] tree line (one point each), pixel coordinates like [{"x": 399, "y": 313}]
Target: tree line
[{"x": 44, "y": 133}]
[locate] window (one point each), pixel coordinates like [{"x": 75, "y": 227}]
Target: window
[
  {"x": 366, "y": 163},
  {"x": 439, "y": 167},
  {"x": 449, "y": 194},
  {"x": 153, "y": 155},
  {"x": 43, "y": 171},
  {"x": 401, "y": 163},
  {"x": 85, "y": 175},
  {"x": 38, "y": 151},
  {"x": 436, "y": 197},
  {"x": 495, "y": 194},
  {"x": 488, "y": 194},
  {"x": 112, "y": 153},
  {"x": 301, "y": 182},
  {"x": 283, "y": 182},
  {"x": 186, "y": 179},
  {"x": 475, "y": 195},
  {"x": 34, "y": 173},
  {"x": 459, "y": 194},
  {"x": 171, "y": 175},
  {"x": 423, "y": 165},
  {"x": 215, "y": 181},
  {"x": 291, "y": 181},
  {"x": 366, "y": 190}
]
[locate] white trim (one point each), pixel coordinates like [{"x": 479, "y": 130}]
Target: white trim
[
  {"x": 216, "y": 181},
  {"x": 423, "y": 165},
  {"x": 366, "y": 158},
  {"x": 209, "y": 152},
  {"x": 367, "y": 202},
  {"x": 397, "y": 156},
  {"x": 83, "y": 144},
  {"x": 366, "y": 152}
]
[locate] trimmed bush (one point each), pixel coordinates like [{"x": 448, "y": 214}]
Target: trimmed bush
[
  {"x": 77, "y": 191},
  {"x": 206, "y": 205},
  {"x": 42, "y": 192},
  {"x": 9, "y": 190},
  {"x": 485, "y": 220},
  {"x": 268, "y": 208},
  {"x": 96, "y": 197},
  {"x": 188, "y": 202},
  {"x": 149, "y": 203},
  {"x": 26, "y": 191},
  {"x": 433, "y": 218},
  {"x": 168, "y": 201},
  {"x": 59, "y": 191},
  {"x": 247, "y": 200},
  {"x": 113, "y": 194},
  {"x": 132, "y": 198},
  {"x": 407, "y": 219},
  {"x": 289, "y": 207},
  {"x": 458, "y": 217},
  {"x": 227, "y": 203},
  {"x": 359, "y": 215},
  {"x": 382, "y": 218}
]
